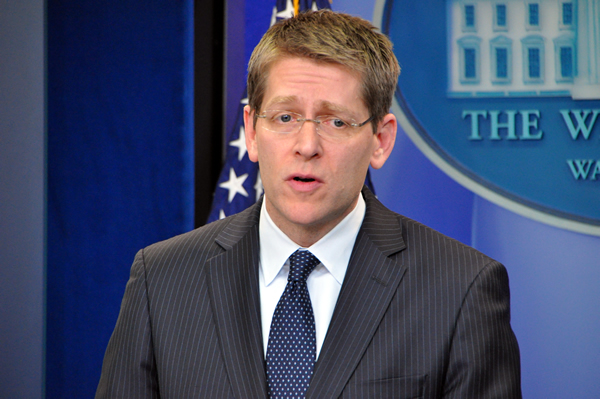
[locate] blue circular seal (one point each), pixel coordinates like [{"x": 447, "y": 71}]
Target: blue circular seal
[{"x": 505, "y": 98}]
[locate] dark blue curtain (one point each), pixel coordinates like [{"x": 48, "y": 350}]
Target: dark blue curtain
[{"x": 120, "y": 165}]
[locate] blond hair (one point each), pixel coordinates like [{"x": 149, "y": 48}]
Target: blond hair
[{"x": 330, "y": 37}]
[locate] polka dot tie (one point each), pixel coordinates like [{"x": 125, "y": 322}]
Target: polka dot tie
[{"x": 292, "y": 347}]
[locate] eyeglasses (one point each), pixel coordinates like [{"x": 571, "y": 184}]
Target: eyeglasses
[{"x": 329, "y": 126}]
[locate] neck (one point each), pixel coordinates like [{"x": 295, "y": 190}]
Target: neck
[{"x": 305, "y": 235}]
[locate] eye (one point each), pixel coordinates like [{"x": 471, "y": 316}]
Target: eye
[
  {"x": 282, "y": 117},
  {"x": 334, "y": 122},
  {"x": 338, "y": 123}
]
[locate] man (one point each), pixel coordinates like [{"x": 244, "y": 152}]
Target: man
[{"x": 382, "y": 305}]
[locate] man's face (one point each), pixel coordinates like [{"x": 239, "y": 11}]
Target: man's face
[{"x": 312, "y": 182}]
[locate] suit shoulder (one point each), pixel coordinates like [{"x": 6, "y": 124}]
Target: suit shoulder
[
  {"x": 432, "y": 256},
  {"x": 381, "y": 222},
  {"x": 203, "y": 237},
  {"x": 422, "y": 236},
  {"x": 389, "y": 229},
  {"x": 203, "y": 242}
]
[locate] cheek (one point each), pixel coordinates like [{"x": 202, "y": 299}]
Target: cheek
[
  {"x": 352, "y": 165},
  {"x": 359, "y": 155},
  {"x": 260, "y": 148},
  {"x": 268, "y": 155}
]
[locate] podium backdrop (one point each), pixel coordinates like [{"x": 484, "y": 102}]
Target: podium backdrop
[{"x": 108, "y": 168}]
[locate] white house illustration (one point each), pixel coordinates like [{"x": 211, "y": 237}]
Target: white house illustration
[{"x": 516, "y": 48}]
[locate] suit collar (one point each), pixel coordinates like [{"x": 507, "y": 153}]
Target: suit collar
[
  {"x": 235, "y": 300},
  {"x": 371, "y": 282},
  {"x": 382, "y": 226},
  {"x": 239, "y": 225}
]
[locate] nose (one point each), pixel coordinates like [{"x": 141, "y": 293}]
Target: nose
[{"x": 308, "y": 141}]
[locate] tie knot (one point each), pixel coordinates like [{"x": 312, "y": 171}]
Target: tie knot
[{"x": 302, "y": 263}]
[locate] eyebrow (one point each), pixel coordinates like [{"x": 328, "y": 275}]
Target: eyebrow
[
  {"x": 322, "y": 105},
  {"x": 281, "y": 100},
  {"x": 334, "y": 107}
]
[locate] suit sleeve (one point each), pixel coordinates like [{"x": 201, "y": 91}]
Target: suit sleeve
[
  {"x": 129, "y": 368},
  {"x": 484, "y": 355}
]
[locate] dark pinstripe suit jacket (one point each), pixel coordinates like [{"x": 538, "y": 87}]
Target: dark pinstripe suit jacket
[{"x": 419, "y": 316}]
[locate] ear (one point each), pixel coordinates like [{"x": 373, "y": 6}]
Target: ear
[
  {"x": 384, "y": 140},
  {"x": 250, "y": 132}
]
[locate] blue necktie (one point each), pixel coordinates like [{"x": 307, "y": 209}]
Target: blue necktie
[{"x": 292, "y": 347}]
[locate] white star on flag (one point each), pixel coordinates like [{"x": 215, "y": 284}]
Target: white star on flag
[
  {"x": 234, "y": 184},
  {"x": 287, "y": 12},
  {"x": 240, "y": 143}
]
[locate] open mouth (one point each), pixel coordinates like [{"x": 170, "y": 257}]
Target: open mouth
[{"x": 304, "y": 180}]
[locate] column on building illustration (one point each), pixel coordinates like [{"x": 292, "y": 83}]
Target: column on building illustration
[{"x": 587, "y": 80}]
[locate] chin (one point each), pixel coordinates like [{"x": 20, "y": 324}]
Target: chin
[
  {"x": 310, "y": 217},
  {"x": 303, "y": 218}
]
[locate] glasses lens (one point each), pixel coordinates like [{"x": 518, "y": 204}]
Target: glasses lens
[
  {"x": 335, "y": 127},
  {"x": 330, "y": 126},
  {"x": 282, "y": 121}
]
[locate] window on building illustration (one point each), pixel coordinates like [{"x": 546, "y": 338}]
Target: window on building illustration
[
  {"x": 469, "y": 20},
  {"x": 533, "y": 59},
  {"x": 469, "y": 59},
  {"x": 470, "y": 63},
  {"x": 534, "y": 14},
  {"x": 500, "y": 15},
  {"x": 501, "y": 63},
  {"x": 567, "y": 14},
  {"x": 565, "y": 55},
  {"x": 566, "y": 62},
  {"x": 500, "y": 50}
]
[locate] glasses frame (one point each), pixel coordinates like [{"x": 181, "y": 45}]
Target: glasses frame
[{"x": 316, "y": 121}]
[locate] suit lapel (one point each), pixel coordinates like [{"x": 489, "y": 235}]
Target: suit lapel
[
  {"x": 235, "y": 300},
  {"x": 371, "y": 281}
]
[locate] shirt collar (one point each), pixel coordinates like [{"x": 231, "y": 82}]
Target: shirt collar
[{"x": 333, "y": 250}]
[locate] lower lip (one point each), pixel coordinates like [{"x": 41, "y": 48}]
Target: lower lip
[{"x": 304, "y": 187}]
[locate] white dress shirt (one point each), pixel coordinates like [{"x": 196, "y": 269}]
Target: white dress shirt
[{"x": 324, "y": 283}]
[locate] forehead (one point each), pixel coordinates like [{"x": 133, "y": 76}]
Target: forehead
[{"x": 299, "y": 81}]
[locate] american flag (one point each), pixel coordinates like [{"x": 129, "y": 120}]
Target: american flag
[{"x": 239, "y": 184}]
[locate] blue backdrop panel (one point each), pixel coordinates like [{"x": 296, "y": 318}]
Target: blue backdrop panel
[
  {"x": 554, "y": 277},
  {"x": 411, "y": 185},
  {"x": 120, "y": 165}
]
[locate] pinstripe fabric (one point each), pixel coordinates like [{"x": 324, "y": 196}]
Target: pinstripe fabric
[
  {"x": 189, "y": 325},
  {"x": 419, "y": 316}
]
